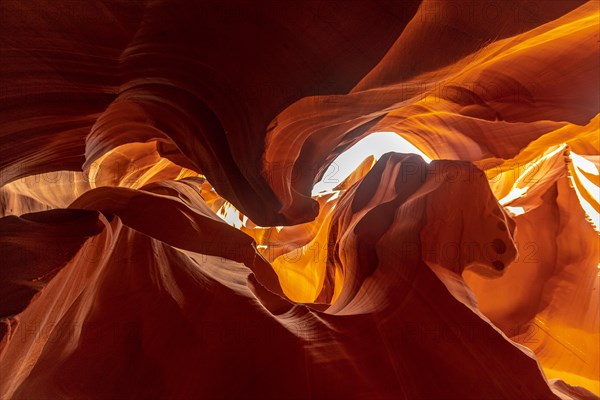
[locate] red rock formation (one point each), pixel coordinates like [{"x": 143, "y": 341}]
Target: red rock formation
[{"x": 159, "y": 236}]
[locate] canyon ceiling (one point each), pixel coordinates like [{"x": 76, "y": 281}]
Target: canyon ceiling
[{"x": 160, "y": 237}]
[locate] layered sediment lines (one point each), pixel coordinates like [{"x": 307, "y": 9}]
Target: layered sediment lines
[{"x": 159, "y": 237}]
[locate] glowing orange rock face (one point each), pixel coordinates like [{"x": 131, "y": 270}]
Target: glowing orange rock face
[{"x": 159, "y": 235}]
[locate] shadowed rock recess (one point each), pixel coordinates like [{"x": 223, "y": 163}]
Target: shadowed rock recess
[{"x": 160, "y": 237}]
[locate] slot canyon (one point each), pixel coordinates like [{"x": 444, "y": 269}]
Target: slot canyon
[{"x": 312, "y": 199}]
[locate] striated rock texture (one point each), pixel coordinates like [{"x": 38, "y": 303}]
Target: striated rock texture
[{"x": 160, "y": 240}]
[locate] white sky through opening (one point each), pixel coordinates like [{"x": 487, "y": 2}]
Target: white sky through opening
[{"x": 376, "y": 144}]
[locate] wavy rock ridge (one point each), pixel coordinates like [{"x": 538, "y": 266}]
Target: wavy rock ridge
[{"x": 159, "y": 234}]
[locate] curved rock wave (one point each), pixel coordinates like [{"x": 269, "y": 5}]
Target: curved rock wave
[{"x": 159, "y": 236}]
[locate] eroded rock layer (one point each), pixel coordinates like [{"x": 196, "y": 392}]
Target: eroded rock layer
[{"x": 159, "y": 234}]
